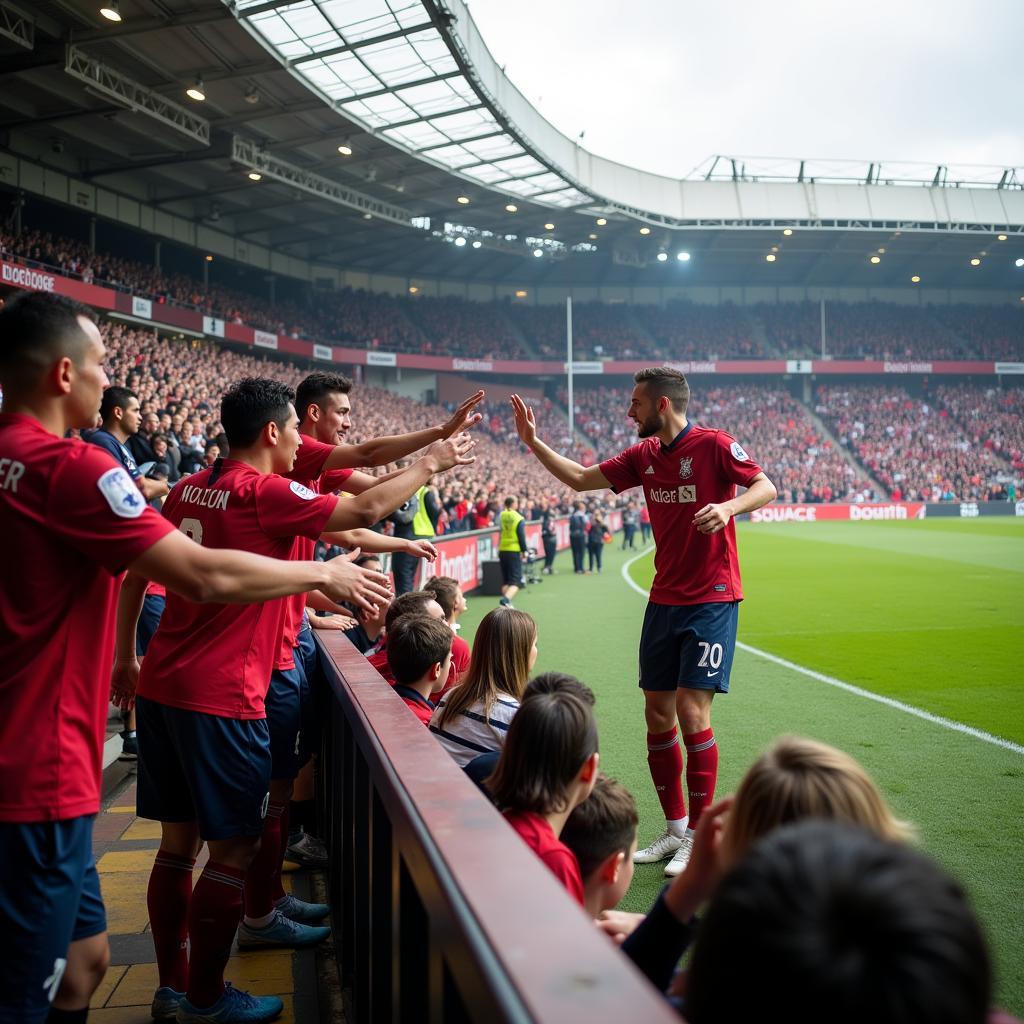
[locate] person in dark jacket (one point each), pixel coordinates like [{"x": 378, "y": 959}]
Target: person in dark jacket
[
  {"x": 595, "y": 540},
  {"x": 578, "y": 536},
  {"x": 548, "y": 535}
]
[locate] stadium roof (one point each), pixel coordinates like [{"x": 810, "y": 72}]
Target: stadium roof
[{"x": 445, "y": 169}]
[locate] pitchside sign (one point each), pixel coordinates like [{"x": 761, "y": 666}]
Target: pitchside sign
[{"x": 896, "y": 510}]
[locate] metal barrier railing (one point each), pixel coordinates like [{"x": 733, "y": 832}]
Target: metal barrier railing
[{"x": 440, "y": 912}]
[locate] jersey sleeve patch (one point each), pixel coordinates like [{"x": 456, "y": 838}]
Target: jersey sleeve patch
[
  {"x": 121, "y": 494},
  {"x": 738, "y": 453},
  {"x": 302, "y": 491}
]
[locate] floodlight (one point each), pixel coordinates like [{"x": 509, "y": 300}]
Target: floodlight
[
  {"x": 460, "y": 241},
  {"x": 787, "y": 231},
  {"x": 521, "y": 293},
  {"x": 662, "y": 256},
  {"x": 1018, "y": 263},
  {"x": 111, "y": 10},
  {"x": 683, "y": 257},
  {"x": 255, "y": 176},
  {"x": 1001, "y": 238},
  {"x": 413, "y": 289},
  {"x": 975, "y": 262},
  {"x": 196, "y": 91},
  {"x": 770, "y": 258},
  {"x": 601, "y": 221},
  {"x": 477, "y": 244},
  {"x": 345, "y": 149},
  {"x": 511, "y": 208},
  {"x": 876, "y": 259},
  {"x": 462, "y": 200},
  {"x": 549, "y": 227},
  {"x": 538, "y": 253},
  {"x": 915, "y": 279},
  {"x": 645, "y": 231}
]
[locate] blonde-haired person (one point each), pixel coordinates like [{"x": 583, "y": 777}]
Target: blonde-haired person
[
  {"x": 473, "y": 718},
  {"x": 795, "y": 779}
]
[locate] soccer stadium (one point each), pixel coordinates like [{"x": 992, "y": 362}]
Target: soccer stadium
[{"x": 339, "y": 383}]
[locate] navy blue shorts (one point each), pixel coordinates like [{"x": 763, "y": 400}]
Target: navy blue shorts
[
  {"x": 203, "y": 768},
  {"x": 313, "y": 694},
  {"x": 511, "y": 567},
  {"x": 49, "y": 898},
  {"x": 152, "y": 611},
  {"x": 284, "y": 719},
  {"x": 688, "y": 645}
]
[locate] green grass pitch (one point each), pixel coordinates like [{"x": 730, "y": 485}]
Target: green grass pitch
[{"x": 929, "y": 613}]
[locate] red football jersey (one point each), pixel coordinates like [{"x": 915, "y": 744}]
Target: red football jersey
[
  {"x": 540, "y": 837},
  {"x": 217, "y": 658},
  {"x": 308, "y": 471},
  {"x": 72, "y": 520},
  {"x": 700, "y": 467},
  {"x": 461, "y": 656}
]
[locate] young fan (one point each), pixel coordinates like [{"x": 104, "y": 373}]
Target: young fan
[
  {"x": 413, "y": 602},
  {"x": 448, "y": 594},
  {"x": 601, "y": 832},
  {"x": 420, "y": 653},
  {"x": 548, "y": 768},
  {"x": 474, "y": 717},
  {"x": 793, "y": 780}
]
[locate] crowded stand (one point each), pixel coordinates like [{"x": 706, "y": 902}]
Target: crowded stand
[
  {"x": 992, "y": 418},
  {"x": 453, "y": 326},
  {"x": 912, "y": 446}
]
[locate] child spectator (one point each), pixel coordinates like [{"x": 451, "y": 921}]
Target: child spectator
[
  {"x": 419, "y": 653},
  {"x": 548, "y": 768},
  {"x": 474, "y": 717},
  {"x": 601, "y": 832},
  {"x": 415, "y": 602},
  {"x": 449, "y": 596}
]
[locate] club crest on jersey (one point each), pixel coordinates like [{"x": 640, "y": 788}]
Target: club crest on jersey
[
  {"x": 686, "y": 468},
  {"x": 119, "y": 490},
  {"x": 302, "y": 491},
  {"x": 738, "y": 453}
]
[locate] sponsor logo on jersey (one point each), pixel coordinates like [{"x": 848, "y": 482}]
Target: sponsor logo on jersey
[
  {"x": 685, "y": 494},
  {"x": 301, "y": 490},
  {"x": 738, "y": 453},
  {"x": 121, "y": 494},
  {"x": 686, "y": 468}
]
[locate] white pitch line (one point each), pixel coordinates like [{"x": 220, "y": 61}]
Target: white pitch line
[{"x": 839, "y": 684}]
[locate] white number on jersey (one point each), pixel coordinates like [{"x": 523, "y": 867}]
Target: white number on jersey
[
  {"x": 193, "y": 529},
  {"x": 711, "y": 654}
]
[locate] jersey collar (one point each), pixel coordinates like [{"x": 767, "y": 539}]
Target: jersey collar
[
  {"x": 677, "y": 439},
  {"x": 408, "y": 691}
]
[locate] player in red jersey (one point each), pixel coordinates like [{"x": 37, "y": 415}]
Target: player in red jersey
[
  {"x": 205, "y": 746},
  {"x": 689, "y": 475},
  {"x": 72, "y": 521}
]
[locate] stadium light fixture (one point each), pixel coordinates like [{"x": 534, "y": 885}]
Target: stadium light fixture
[
  {"x": 770, "y": 258},
  {"x": 413, "y": 289},
  {"x": 462, "y": 200},
  {"x": 601, "y": 221},
  {"x": 876, "y": 259},
  {"x": 882, "y": 250},
  {"x": 975, "y": 262},
  {"x": 592, "y": 237},
  {"x": 345, "y": 149},
  {"x": 460, "y": 241},
  {"x": 775, "y": 248},
  {"x": 538, "y": 253},
  {"x": 683, "y": 257},
  {"x": 1001, "y": 238},
  {"x": 645, "y": 231},
  {"x": 477, "y": 244},
  {"x": 662, "y": 257},
  {"x": 1018, "y": 263},
  {"x": 915, "y": 279},
  {"x": 209, "y": 258},
  {"x": 111, "y": 10},
  {"x": 549, "y": 227},
  {"x": 787, "y": 232},
  {"x": 367, "y": 216},
  {"x": 255, "y": 176},
  {"x": 521, "y": 293},
  {"x": 196, "y": 91},
  {"x": 511, "y": 208}
]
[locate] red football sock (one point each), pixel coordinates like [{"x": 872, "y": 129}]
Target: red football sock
[
  {"x": 277, "y": 889},
  {"x": 665, "y": 760},
  {"x": 212, "y": 923},
  {"x": 168, "y": 899},
  {"x": 259, "y": 879},
  {"x": 701, "y": 771}
]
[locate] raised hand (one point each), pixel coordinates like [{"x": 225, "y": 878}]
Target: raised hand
[
  {"x": 421, "y": 549},
  {"x": 453, "y": 452},
  {"x": 465, "y": 416},
  {"x": 526, "y": 424},
  {"x": 351, "y": 582}
]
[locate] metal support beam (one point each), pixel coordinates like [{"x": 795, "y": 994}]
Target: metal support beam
[
  {"x": 430, "y": 117},
  {"x": 249, "y": 155},
  {"x": 388, "y": 90},
  {"x": 140, "y": 26},
  {"x": 333, "y": 51},
  {"x": 218, "y": 151},
  {"x": 16, "y": 26},
  {"x": 104, "y": 80}
]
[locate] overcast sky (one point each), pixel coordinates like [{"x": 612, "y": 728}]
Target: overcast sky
[{"x": 664, "y": 84}]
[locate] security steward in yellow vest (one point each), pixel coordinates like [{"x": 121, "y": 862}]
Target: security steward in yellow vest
[
  {"x": 415, "y": 520},
  {"x": 511, "y": 546}
]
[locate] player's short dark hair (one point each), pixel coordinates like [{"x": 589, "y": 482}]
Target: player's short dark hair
[
  {"x": 36, "y": 329},
  {"x": 416, "y": 644},
  {"x": 115, "y": 397},
  {"x": 250, "y": 405},
  {"x": 316, "y": 387},
  {"x": 605, "y": 823},
  {"x": 664, "y": 382},
  {"x": 849, "y": 926},
  {"x": 550, "y": 738},
  {"x": 413, "y": 602},
  {"x": 363, "y": 559},
  {"x": 444, "y": 590}
]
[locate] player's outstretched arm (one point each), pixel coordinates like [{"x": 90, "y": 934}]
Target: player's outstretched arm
[
  {"x": 216, "y": 576},
  {"x": 572, "y": 474},
  {"x": 374, "y": 504},
  {"x": 375, "y": 543},
  {"x": 381, "y": 450}
]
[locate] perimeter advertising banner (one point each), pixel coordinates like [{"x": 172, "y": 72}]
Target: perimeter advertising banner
[{"x": 850, "y": 513}]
